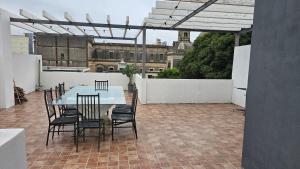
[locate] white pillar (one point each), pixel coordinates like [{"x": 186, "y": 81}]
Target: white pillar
[
  {"x": 6, "y": 70},
  {"x": 144, "y": 53}
]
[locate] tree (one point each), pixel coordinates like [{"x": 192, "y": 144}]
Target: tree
[
  {"x": 211, "y": 56},
  {"x": 169, "y": 74},
  {"x": 129, "y": 71}
]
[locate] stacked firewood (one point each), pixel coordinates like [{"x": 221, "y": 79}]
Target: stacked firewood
[{"x": 19, "y": 95}]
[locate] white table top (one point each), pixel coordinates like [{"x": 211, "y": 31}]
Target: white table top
[{"x": 114, "y": 95}]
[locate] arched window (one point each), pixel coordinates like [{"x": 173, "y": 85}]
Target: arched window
[
  {"x": 99, "y": 68},
  {"x": 111, "y": 68},
  {"x": 185, "y": 34}
]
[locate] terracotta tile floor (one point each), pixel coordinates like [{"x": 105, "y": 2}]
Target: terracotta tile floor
[{"x": 171, "y": 136}]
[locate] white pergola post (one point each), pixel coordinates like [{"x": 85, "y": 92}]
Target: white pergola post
[
  {"x": 144, "y": 54},
  {"x": 6, "y": 70},
  {"x": 136, "y": 51}
]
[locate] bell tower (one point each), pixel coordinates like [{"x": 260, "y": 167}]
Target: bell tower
[{"x": 184, "y": 36}]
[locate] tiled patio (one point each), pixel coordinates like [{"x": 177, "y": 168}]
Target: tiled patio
[{"x": 204, "y": 136}]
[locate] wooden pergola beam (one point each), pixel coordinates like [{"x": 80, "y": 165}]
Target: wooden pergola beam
[
  {"x": 69, "y": 18},
  {"x": 52, "y": 18},
  {"x": 90, "y": 20},
  {"x": 109, "y": 25},
  {"x": 126, "y": 24},
  {"x": 195, "y": 12},
  {"x": 31, "y": 16}
]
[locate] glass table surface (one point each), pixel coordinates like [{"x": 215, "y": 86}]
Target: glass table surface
[{"x": 113, "y": 96}]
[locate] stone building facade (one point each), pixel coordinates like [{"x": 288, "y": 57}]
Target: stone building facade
[
  {"x": 63, "y": 51},
  {"x": 75, "y": 51},
  {"x": 107, "y": 57}
]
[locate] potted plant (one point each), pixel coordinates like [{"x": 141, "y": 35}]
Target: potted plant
[{"x": 129, "y": 71}]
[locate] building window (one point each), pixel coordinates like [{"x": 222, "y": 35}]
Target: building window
[
  {"x": 126, "y": 56},
  {"x": 161, "y": 57},
  {"x": 141, "y": 57},
  {"x": 111, "y": 68},
  {"x": 150, "y": 76},
  {"x": 151, "y": 69},
  {"x": 111, "y": 55},
  {"x": 169, "y": 65},
  {"x": 131, "y": 56},
  {"x": 185, "y": 34},
  {"x": 151, "y": 58},
  {"x": 62, "y": 56},
  {"x": 117, "y": 55},
  {"x": 99, "y": 69},
  {"x": 161, "y": 69}
]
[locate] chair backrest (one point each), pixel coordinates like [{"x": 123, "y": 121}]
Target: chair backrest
[
  {"x": 88, "y": 106},
  {"x": 134, "y": 102},
  {"x": 134, "y": 97},
  {"x": 49, "y": 104},
  {"x": 101, "y": 85},
  {"x": 57, "y": 93},
  {"x": 57, "y": 96},
  {"x": 134, "y": 86},
  {"x": 61, "y": 88}
]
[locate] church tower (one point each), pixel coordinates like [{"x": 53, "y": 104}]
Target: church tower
[
  {"x": 184, "y": 36},
  {"x": 184, "y": 41}
]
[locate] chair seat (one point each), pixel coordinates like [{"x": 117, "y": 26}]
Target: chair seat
[
  {"x": 121, "y": 111},
  {"x": 122, "y": 117},
  {"x": 123, "y": 106},
  {"x": 63, "y": 120},
  {"x": 90, "y": 124},
  {"x": 70, "y": 112},
  {"x": 71, "y": 107}
]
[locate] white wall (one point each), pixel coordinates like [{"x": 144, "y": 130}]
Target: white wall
[
  {"x": 51, "y": 79},
  {"x": 184, "y": 90},
  {"x": 141, "y": 86},
  {"x": 26, "y": 71},
  {"x": 188, "y": 91},
  {"x": 6, "y": 65},
  {"x": 12, "y": 149},
  {"x": 240, "y": 72}
]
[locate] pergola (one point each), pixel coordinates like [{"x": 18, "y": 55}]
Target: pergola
[{"x": 234, "y": 16}]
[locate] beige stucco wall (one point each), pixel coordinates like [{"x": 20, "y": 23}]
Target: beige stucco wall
[{"x": 19, "y": 44}]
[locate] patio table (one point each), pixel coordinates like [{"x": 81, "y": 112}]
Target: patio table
[{"x": 113, "y": 96}]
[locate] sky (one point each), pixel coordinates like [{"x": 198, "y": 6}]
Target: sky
[{"x": 98, "y": 10}]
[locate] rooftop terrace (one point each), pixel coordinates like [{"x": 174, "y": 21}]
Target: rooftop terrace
[{"x": 205, "y": 136}]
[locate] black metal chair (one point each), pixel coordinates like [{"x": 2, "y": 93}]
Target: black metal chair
[
  {"x": 127, "y": 106},
  {"x": 101, "y": 85},
  {"x": 53, "y": 119},
  {"x": 63, "y": 109},
  {"x": 89, "y": 106},
  {"x": 62, "y": 91},
  {"x": 122, "y": 116}
]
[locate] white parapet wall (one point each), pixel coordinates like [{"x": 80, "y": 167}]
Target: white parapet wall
[
  {"x": 51, "y": 79},
  {"x": 240, "y": 73},
  {"x": 152, "y": 91},
  {"x": 141, "y": 86},
  {"x": 12, "y": 149},
  {"x": 26, "y": 71}
]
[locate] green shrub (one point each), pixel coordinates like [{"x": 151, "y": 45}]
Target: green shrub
[{"x": 169, "y": 74}]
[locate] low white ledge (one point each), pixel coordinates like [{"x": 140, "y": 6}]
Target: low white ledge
[{"x": 12, "y": 149}]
